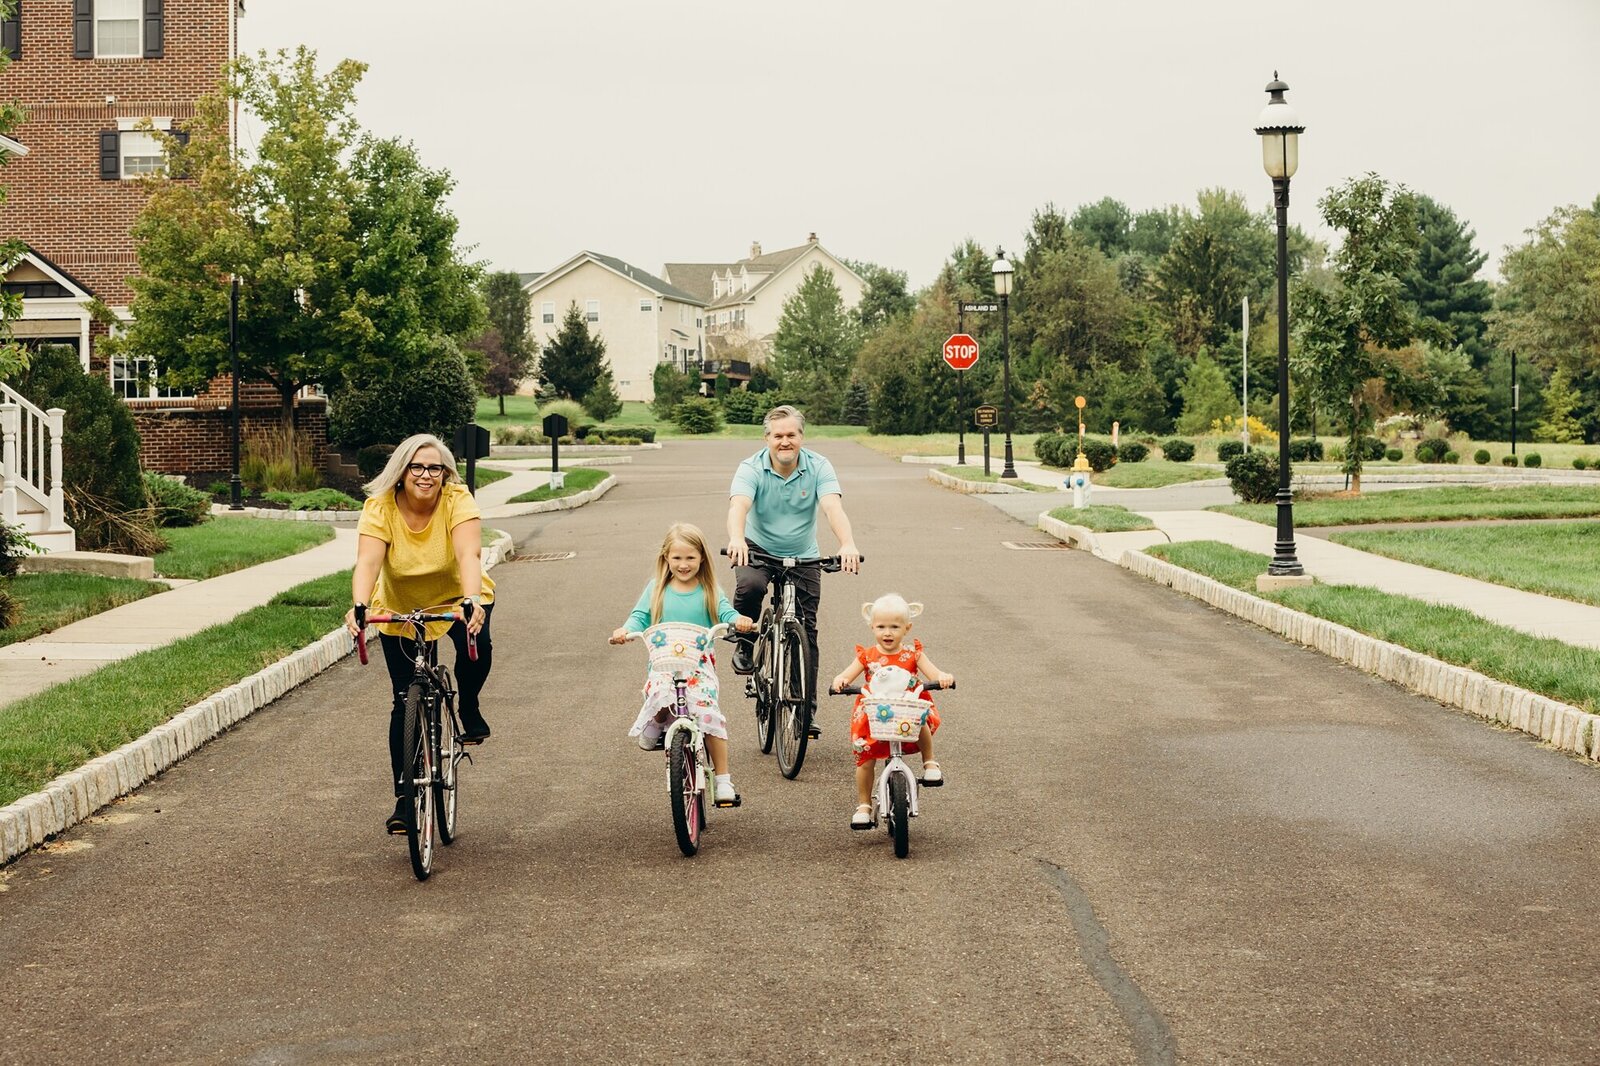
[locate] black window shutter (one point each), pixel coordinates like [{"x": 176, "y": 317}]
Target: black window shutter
[
  {"x": 152, "y": 29},
  {"x": 11, "y": 35},
  {"x": 82, "y": 29},
  {"x": 181, "y": 136},
  {"x": 110, "y": 155}
]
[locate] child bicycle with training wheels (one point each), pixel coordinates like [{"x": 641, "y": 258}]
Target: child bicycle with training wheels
[
  {"x": 891, "y": 667},
  {"x": 684, "y": 590}
]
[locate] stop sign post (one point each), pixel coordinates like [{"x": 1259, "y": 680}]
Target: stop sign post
[{"x": 960, "y": 351}]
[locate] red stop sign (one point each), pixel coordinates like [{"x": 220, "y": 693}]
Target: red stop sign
[{"x": 960, "y": 351}]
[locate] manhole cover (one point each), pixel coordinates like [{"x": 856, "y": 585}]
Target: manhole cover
[
  {"x": 546, "y": 557},
  {"x": 1033, "y": 545}
]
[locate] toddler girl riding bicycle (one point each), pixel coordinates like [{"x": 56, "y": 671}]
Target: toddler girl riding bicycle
[
  {"x": 684, "y": 589},
  {"x": 890, "y": 617}
]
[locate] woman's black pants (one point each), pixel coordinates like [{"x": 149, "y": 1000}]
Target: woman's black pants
[{"x": 470, "y": 676}]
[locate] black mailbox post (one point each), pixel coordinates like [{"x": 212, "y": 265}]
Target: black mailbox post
[
  {"x": 471, "y": 443},
  {"x": 555, "y": 427}
]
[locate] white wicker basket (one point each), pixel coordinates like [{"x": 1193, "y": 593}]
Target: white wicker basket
[
  {"x": 895, "y": 717},
  {"x": 676, "y": 647}
]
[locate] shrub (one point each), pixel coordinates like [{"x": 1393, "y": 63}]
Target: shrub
[
  {"x": 1432, "y": 450},
  {"x": 1580, "y": 463},
  {"x": 602, "y": 401},
  {"x": 1305, "y": 451},
  {"x": 670, "y": 387},
  {"x": 1508, "y": 460},
  {"x": 1372, "y": 449},
  {"x": 1336, "y": 453},
  {"x": 578, "y": 420},
  {"x": 175, "y": 503},
  {"x": 106, "y": 500},
  {"x": 698, "y": 414},
  {"x": 1229, "y": 449},
  {"x": 1254, "y": 476},
  {"x": 744, "y": 408},
  {"x": 437, "y": 396},
  {"x": 1481, "y": 456},
  {"x": 14, "y": 544},
  {"x": 1102, "y": 455},
  {"x": 1132, "y": 452},
  {"x": 371, "y": 459},
  {"x": 1452, "y": 456},
  {"x": 1533, "y": 459},
  {"x": 615, "y": 434},
  {"x": 513, "y": 435},
  {"x": 323, "y": 500},
  {"x": 1394, "y": 455},
  {"x": 1177, "y": 449}
]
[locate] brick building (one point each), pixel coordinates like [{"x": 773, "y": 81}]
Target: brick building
[{"x": 89, "y": 73}]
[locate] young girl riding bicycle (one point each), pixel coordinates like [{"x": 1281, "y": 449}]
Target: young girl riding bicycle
[
  {"x": 890, "y": 618},
  {"x": 684, "y": 589}
]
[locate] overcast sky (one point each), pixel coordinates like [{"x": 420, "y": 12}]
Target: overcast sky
[{"x": 685, "y": 130}]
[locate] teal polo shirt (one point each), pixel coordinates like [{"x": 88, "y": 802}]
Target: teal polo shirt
[{"x": 783, "y": 510}]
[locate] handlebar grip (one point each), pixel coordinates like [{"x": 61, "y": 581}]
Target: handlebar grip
[
  {"x": 361, "y": 635},
  {"x": 472, "y": 646},
  {"x": 361, "y": 647}
]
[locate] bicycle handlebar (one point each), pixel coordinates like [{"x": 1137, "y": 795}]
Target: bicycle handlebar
[
  {"x": 855, "y": 690},
  {"x": 363, "y": 618},
  {"x": 829, "y": 563},
  {"x": 716, "y": 632}
]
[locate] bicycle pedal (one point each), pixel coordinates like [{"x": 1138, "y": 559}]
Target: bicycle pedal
[
  {"x": 925, "y": 783},
  {"x": 737, "y": 801},
  {"x": 750, "y": 688}
]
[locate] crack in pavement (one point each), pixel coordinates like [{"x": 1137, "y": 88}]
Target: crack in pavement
[{"x": 1153, "y": 1042}]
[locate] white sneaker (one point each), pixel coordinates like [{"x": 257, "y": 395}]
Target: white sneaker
[
  {"x": 932, "y": 775},
  {"x": 649, "y": 743}
]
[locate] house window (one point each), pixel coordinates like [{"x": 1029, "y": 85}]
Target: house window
[
  {"x": 133, "y": 379},
  {"x": 141, "y": 153},
  {"x": 646, "y": 305},
  {"x": 593, "y": 310},
  {"x": 547, "y": 312},
  {"x": 116, "y": 28}
]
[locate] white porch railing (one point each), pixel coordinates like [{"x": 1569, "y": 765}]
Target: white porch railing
[{"x": 30, "y": 460}]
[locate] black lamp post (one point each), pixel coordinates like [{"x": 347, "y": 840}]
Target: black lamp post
[
  {"x": 235, "y": 493},
  {"x": 1002, "y": 289},
  {"x": 1280, "y": 129}
]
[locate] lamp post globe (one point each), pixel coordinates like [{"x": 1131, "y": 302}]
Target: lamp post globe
[
  {"x": 1279, "y": 129},
  {"x": 1002, "y": 288}
]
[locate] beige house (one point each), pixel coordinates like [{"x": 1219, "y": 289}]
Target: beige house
[
  {"x": 744, "y": 300},
  {"x": 642, "y": 319}
]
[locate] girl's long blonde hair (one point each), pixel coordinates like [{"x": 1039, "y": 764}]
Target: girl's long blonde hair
[{"x": 686, "y": 534}]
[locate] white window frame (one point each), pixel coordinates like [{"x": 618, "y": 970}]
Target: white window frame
[
  {"x": 127, "y": 386},
  {"x": 102, "y": 16},
  {"x": 591, "y": 310},
  {"x": 547, "y": 312},
  {"x": 129, "y": 133}
]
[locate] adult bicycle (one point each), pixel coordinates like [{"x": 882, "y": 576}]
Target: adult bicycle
[
  {"x": 432, "y": 735},
  {"x": 897, "y": 719},
  {"x": 781, "y": 680}
]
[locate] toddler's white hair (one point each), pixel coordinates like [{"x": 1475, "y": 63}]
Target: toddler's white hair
[{"x": 891, "y": 603}]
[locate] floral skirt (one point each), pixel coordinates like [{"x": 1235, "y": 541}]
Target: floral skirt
[
  {"x": 661, "y": 697},
  {"x": 867, "y": 749}
]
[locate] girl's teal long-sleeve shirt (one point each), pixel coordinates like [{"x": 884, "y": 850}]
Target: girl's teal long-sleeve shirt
[{"x": 678, "y": 607}]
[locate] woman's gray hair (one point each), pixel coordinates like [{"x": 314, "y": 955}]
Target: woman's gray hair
[
  {"x": 404, "y": 452},
  {"x": 783, "y": 410}
]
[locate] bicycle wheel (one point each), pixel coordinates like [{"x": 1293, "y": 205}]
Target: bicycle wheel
[
  {"x": 686, "y": 809},
  {"x": 447, "y": 782},
  {"x": 900, "y": 814},
  {"x": 766, "y": 712},
  {"x": 794, "y": 712},
  {"x": 419, "y": 835}
]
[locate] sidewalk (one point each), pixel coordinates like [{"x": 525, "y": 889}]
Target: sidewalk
[
  {"x": 30, "y": 666},
  {"x": 1335, "y": 564}
]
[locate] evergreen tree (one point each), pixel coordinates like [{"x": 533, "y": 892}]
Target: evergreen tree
[
  {"x": 1444, "y": 284},
  {"x": 895, "y": 409},
  {"x": 1560, "y": 424},
  {"x": 1207, "y": 396},
  {"x": 671, "y": 387},
  {"x": 816, "y": 344},
  {"x": 721, "y": 386},
  {"x": 857, "y": 403},
  {"x": 574, "y": 358},
  {"x": 602, "y": 400},
  {"x": 886, "y": 295},
  {"x": 1105, "y": 224}
]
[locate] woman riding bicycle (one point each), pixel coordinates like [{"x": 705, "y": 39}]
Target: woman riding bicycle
[{"x": 420, "y": 538}]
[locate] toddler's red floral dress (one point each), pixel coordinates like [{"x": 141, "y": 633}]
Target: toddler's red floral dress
[{"x": 873, "y": 659}]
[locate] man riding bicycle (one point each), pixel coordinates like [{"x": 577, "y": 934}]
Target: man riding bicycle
[{"x": 772, "y": 507}]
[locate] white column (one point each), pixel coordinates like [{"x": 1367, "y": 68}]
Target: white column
[
  {"x": 58, "y": 492},
  {"x": 8, "y": 463}
]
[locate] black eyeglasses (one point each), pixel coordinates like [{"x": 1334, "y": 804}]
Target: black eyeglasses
[{"x": 431, "y": 469}]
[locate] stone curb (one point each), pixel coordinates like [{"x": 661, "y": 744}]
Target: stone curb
[
  {"x": 950, "y": 481},
  {"x": 565, "y": 503},
  {"x": 1080, "y": 537},
  {"x": 279, "y": 515},
  {"x": 1561, "y": 725},
  {"x": 77, "y": 794}
]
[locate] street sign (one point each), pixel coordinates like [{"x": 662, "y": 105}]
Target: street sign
[
  {"x": 960, "y": 351},
  {"x": 987, "y": 415},
  {"x": 969, "y": 308}
]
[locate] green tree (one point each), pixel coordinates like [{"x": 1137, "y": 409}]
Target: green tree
[
  {"x": 505, "y": 362},
  {"x": 721, "y": 386},
  {"x": 602, "y": 400},
  {"x": 500, "y": 374},
  {"x": 1352, "y": 319},
  {"x": 886, "y": 295},
  {"x": 671, "y": 386},
  {"x": 1217, "y": 257},
  {"x": 1444, "y": 283},
  {"x": 12, "y": 355},
  {"x": 573, "y": 358},
  {"x": 1457, "y": 390},
  {"x": 1560, "y": 424},
  {"x": 816, "y": 344},
  {"x": 857, "y": 403},
  {"x": 1207, "y": 396},
  {"x": 1105, "y": 224}
]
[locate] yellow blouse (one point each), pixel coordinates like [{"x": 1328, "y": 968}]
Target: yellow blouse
[{"x": 419, "y": 569}]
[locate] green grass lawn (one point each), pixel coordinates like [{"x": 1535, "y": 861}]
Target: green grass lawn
[
  {"x": 68, "y": 724},
  {"x": 1152, "y": 474},
  {"x": 1552, "y": 668},
  {"x": 975, "y": 473},
  {"x": 50, "y": 601},
  {"x": 1102, "y": 518},
  {"x": 945, "y": 444},
  {"x": 577, "y": 480},
  {"x": 486, "y": 475},
  {"x": 1556, "y": 559},
  {"x": 1431, "y": 505},
  {"x": 225, "y": 544}
]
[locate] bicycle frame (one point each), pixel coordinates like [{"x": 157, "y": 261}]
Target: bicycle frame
[{"x": 894, "y": 764}]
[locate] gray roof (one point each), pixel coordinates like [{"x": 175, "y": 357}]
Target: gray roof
[
  {"x": 529, "y": 279},
  {"x": 646, "y": 279},
  {"x": 770, "y": 264},
  {"x": 694, "y": 277}
]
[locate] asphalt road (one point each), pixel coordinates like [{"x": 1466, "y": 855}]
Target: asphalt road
[{"x": 1167, "y": 837}]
